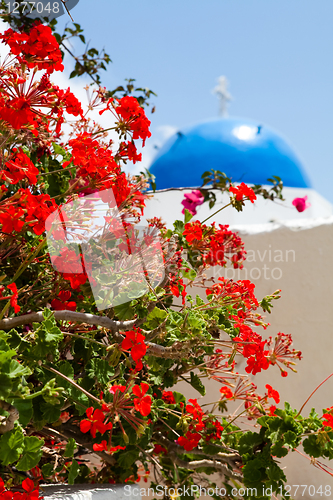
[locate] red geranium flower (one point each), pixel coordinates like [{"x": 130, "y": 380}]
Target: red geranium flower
[
  {"x": 243, "y": 191},
  {"x": 272, "y": 393},
  {"x": 95, "y": 422},
  {"x": 142, "y": 403},
  {"x": 134, "y": 341},
  {"x": 62, "y": 303},
  {"x": 226, "y": 392},
  {"x": 168, "y": 397}
]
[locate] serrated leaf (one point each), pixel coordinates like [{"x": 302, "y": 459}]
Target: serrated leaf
[
  {"x": 70, "y": 448},
  {"x": 17, "y": 370},
  {"x": 6, "y": 355},
  {"x": 32, "y": 453},
  {"x": 128, "y": 458},
  {"x": 47, "y": 470},
  {"x": 248, "y": 441},
  {"x": 124, "y": 311},
  {"x": 73, "y": 472},
  {"x": 155, "y": 318},
  {"x": 100, "y": 369},
  {"x": 312, "y": 447},
  {"x": 179, "y": 226},
  {"x": 11, "y": 446},
  {"x": 50, "y": 412},
  {"x": 197, "y": 384}
]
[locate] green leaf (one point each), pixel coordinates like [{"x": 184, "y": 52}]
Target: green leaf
[
  {"x": 47, "y": 470},
  {"x": 251, "y": 471},
  {"x": 197, "y": 384},
  {"x": 17, "y": 370},
  {"x": 58, "y": 150},
  {"x": 70, "y": 448},
  {"x": 32, "y": 453},
  {"x": 73, "y": 472},
  {"x": 248, "y": 441},
  {"x": 124, "y": 311},
  {"x": 278, "y": 450},
  {"x": 50, "y": 412},
  {"x": 128, "y": 458},
  {"x": 179, "y": 226},
  {"x": 188, "y": 216},
  {"x": 24, "y": 407},
  {"x": 66, "y": 369},
  {"x": 6, "y": 386},
  {"x": 6, "y": 355},
  {"x": 11, "y": 446},
  {"x": 275, "y": 473},
  {"x": 312, "y": 447},
  {"x": 100, "y": 369},
  {"x": 155, "y": 318}
]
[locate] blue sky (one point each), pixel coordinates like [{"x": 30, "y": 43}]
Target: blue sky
[{"x": 277, "y": 56}]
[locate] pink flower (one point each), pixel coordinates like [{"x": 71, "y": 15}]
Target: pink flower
[
  {"x": 301, "y": 204},
  {"x": 192, "y": 200}
]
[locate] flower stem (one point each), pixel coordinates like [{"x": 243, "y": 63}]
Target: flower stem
[
  {"x": 312, "y": 393},
  {"x": 217, "y": 211}
]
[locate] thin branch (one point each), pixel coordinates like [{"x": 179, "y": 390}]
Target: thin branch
[
  {"x": 323, "y": 382},
  {"x": 70, "y": 381},
  {"x": 90, "y": 319},
  {"x": 64, "y": 4}
]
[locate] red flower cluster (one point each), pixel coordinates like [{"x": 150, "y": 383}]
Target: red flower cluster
[
  {"x": 200, "y": 423},
  {"x": 31, "y": 492},
  {"x": 189, "y": 441},
  {"x": 251, "y": 346},
  {"x": 168, "y": 397},
  {"x": 62, "y": 302},
  {"x": 98, "y": 170},
  {"x": 26, "y": 208},
  {"x": 95, "y": 422},
  {"x": 159, "y": 449},
  {"x": 134, "y": 342},
  {"x": 215, "y": 245},
  {"x": 131, "y": 117},
  {"x": 19, "y": 168},
  {"x": 178, "y": 287},
  {"x": 39, "y": 48},
  {"x": 281, "y": 352},
  {"x": 193, "y": 231},
  {"x": 328, "y": 422},
  {"x": 142, "y": 402},
  {"x": 236, "y": 293},
  {"x": 70, "y": 265},
  {"x": 243, "y": 191}
]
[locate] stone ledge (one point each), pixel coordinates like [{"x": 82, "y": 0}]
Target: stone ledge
[{"x": 85, "y": 492}]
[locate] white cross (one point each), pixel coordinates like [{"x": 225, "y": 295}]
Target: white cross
[{"x": 223, "y": 95}]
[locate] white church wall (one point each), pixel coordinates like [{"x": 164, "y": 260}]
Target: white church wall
[{"x": 167, "y": 204}]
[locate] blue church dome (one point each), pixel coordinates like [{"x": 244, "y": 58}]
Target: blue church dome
[{"x": 243, "y": 149}]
